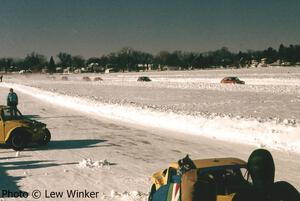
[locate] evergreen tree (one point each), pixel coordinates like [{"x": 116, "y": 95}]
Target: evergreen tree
[{"x": 51, "y": 65}]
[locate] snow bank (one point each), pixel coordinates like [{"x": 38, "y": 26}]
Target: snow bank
[
  {"x": 127, "y": 196},
  {"x": 271, "y": 134},
  {"x": 89, "y": 163}
]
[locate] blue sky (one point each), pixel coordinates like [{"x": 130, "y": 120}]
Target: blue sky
[{"x": 96, "y": 27}]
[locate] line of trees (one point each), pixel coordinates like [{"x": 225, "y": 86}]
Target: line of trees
[{"x": 128, "y": 59}]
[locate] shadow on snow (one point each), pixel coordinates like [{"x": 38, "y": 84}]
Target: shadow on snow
[{"x": 10, "y": 183}]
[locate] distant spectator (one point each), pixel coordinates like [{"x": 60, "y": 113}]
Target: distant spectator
[
  {"x": 1, "y": 77},
  {"x": 12, "y": 99}
]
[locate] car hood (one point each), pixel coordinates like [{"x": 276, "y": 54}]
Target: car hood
[{"x": 32, "y": 123}]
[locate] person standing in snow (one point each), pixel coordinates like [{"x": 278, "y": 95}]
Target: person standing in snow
[
  {"x": 1, "y": 77},
  {"x": 12, "y": 100}
]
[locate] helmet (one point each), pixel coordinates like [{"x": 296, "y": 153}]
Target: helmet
[{"x": 261, "y": 168}]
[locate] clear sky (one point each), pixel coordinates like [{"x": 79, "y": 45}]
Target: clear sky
[{"x": 96, "y": 27}]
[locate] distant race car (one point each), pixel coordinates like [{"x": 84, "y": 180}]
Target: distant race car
[
  {"x": 18, "y": 131},
  {"x": 144, "y": 79},
  {"x": 219, "y": 177},
  {"x": 232, "y": 80}
]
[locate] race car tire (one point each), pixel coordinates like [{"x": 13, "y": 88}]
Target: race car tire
[
  {"x": 46, "y": 138},
  {"x": 17, "y": 141}
]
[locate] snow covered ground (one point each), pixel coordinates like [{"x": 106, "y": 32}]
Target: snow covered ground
[
  {"x": 112, "y": 134},
  {"x": 264, "y": 112}
]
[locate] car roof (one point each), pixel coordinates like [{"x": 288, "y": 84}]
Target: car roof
[
  {"x": 232, "y": 77},
  {"x": 213, "y": 162}
]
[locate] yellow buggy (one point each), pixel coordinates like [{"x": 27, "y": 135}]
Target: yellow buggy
[
  {"x": 210, "y": 179},
  {"x": 18, "y": 131}
]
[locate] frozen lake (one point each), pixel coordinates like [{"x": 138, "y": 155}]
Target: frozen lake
[{"x": 141, "y": 127}]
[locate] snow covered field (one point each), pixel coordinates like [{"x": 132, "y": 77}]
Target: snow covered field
[
  {"x": 264, "y": 112},
  {"x": 112, "y": 134}
]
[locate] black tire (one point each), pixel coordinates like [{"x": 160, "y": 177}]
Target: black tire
[
  {"x": 17, "y": 141},
  {"x": 46, "y": 138},
  {"x": 153, "y": 190}
]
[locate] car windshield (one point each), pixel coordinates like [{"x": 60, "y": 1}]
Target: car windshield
[{"x": 11, "y": 114}]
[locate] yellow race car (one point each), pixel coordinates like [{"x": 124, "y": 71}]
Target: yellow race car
[
  {"x": 18, "y": 131},
  {"x": 206, "y": 179}
]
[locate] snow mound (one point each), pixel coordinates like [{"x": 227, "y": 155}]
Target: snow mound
[
  {"x": 89, "y": 163},
  {"x": 128, "y": 196}
]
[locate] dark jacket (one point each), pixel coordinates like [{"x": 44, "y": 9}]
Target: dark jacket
[{"x": 12, "y": 99}]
